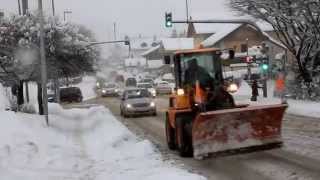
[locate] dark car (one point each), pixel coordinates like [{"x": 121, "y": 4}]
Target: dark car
[
  {"x": 70, "y": 94},
  {"x": 131, "y": 82}
]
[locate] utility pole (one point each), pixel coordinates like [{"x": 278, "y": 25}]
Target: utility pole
[
  {"x": 43, "y": 64},
  {"x": 115, "y": 30},
  {"x": 19, "y": 7},
  {"x": 248, "y": 63},
  {"x": 24, "y": 7},
  {"x": 187, "y": 10},
  {"x": 53, "y": 8}
]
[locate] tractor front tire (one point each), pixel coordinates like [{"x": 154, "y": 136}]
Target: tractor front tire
[
  {"x": 184, "y": 141},
  {"x": 170, "y": 135}
]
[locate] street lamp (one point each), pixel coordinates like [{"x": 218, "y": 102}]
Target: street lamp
[{"x": 64, "y": 14}]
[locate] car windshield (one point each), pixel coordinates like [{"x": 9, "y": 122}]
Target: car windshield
[
  {"x": 200, "y": 67},
  {"x": 146, "y": 85},
  {"x": 111, "y": 86},
  {"x": 133, "y": 94},
  {"x": 147, "y": 80}
]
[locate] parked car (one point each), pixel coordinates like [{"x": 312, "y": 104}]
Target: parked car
[
  {"x": 131, "y": 82},
  {"x": 70, "y": 94},
  {"x": 147, "y": 80},
  {"x": 163, "y": 87},
  {"x": 137, "y": 102},
  {"x": 110, "y": 90},
  {"x": 149, "y": 87}
]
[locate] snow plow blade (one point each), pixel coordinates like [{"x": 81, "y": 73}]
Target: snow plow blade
[{"x": 240, "y": 129}]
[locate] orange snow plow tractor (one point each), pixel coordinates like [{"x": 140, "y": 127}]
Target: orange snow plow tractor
[{"x": 203, "y": 118}]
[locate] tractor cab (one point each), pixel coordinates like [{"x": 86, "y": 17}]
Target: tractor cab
[{"x": 199, "y": 73}]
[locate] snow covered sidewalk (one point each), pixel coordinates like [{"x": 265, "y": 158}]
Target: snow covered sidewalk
[
  {"x": 83, "y": 144},
  {"x": 296, "y": 107}
]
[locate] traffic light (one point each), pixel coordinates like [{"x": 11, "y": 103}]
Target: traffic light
[
  {"x": 265, "y": 67},
  {"x": 265, "y": 64},
  {"x": 249, "y": 59},
  {"x": 168, "y": 20}
]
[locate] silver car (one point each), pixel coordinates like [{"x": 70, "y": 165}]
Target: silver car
[
  {"x": 110, "y": 90},
  {"x": 137, "y": 102}
]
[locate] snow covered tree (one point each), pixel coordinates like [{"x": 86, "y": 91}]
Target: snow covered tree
[
  {"x": 66, "y": 45},
  {"x": 297, "y": 25}
]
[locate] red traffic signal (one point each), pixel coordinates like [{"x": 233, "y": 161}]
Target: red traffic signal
[{"x": 249, "y": 59}]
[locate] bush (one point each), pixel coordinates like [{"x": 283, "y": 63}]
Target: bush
[{"x": 28, "y": 108}]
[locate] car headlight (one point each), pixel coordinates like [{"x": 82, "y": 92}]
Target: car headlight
[
  {"x": 153, "y": 92},
  {"x": 116, "y": 90},
  {"x": 232, "y": 88},
  {"x": 152, "y": 104},
  {"x": 98, "y": 84},
  {"x": 104, "y": 91},
  {"x": 128, "y": 106}
]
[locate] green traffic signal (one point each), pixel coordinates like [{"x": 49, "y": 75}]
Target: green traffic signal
[
  {"x": 265, "y": 67},
  {"x": 168, "y": 20}
]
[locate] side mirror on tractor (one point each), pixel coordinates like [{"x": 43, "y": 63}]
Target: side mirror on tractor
[{"x": 231, "y": 54}]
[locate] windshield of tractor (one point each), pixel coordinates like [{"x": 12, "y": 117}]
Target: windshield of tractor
[{"x": 199, "y": 67}]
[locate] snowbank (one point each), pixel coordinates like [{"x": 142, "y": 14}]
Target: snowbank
[
  {"x": 4, "y": 101},
  {"x": 296, "y": 107},
  {"x": 80, "y": 144}
]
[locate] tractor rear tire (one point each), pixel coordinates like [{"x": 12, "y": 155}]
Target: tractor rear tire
[
  {"x": 171, "y": 141},
  {"x": 184, "y": 141}
]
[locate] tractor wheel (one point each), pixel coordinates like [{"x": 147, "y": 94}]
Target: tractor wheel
[
  {"x": 184, "y": 142},
  {"x": 170, "y": 135}
]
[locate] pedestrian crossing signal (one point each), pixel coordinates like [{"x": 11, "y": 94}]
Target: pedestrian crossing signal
[{"x": 168, "y": 20}]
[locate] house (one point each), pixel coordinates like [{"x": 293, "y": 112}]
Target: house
[
  {"x": 167, "y": 47},
  {"x": 135, "y": 65},
  {"x": 239, "y": 37},
  {"x": 141, "y": 44},
  {"x": 164, "y": 51}
]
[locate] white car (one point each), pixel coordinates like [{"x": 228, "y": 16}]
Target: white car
[
  {"x": 149, "y": 87},
  {"x": 164, "y": 87}
]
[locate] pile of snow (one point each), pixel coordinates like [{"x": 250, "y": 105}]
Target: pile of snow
[
  {"x": 296, "y": 107},
  {"x": 87, "y": 87},
  {"x": 80, "y": 144},
  {"x": 4, "y": 101}
]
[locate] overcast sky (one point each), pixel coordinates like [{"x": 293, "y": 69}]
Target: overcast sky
[{"x": 133, "y": 17}]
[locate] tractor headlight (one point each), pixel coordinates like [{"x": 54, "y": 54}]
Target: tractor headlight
[
  {"x": 180, "y": 92},
  {"x": 128, "y": 106},
  {"x": 232, "y": 88},
  {"x": 152, "y": 104}
]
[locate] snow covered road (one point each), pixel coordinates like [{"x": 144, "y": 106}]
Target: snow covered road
[
  {"x": 81, "y": 144},
  {"x": 298, "y": 159}
]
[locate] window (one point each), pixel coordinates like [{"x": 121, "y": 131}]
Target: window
[
  {"x": 167, "y": 60},
  {"x": 244, "y": 47}
]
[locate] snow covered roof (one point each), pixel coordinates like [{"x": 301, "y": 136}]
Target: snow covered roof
[
  {"x": 219, "y": 32},
  {"x": 150, "y": 50},
  {"x": 177, "y": 43},
  {"x": 155, "y": 64},
  {"x": 134, "y": 62},
  {"x": 143, "y": 43}
]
